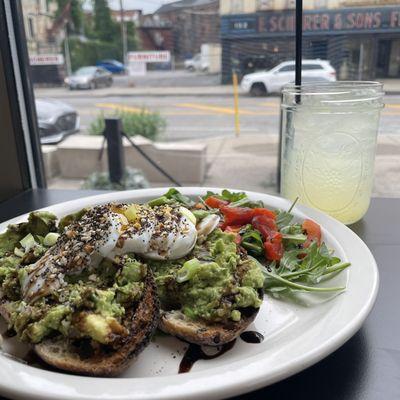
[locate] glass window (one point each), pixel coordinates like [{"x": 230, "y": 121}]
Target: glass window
[
  {"x": 287, "y": 68},
  {"x": 308, "y": 67},
  {"x": 171, "y": 78}
]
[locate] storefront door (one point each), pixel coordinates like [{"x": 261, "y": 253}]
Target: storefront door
[{"x": 383, "y": 58}]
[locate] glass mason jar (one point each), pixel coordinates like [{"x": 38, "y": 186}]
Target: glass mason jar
[{"x": 329, "y": 133}]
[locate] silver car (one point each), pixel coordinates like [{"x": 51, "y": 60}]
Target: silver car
[
  {"x": 89, "y": 78},
  {"x": 56, "y": 120}
]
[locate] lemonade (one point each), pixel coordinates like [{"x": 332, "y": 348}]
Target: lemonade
[{"x": 328, "y": 149}]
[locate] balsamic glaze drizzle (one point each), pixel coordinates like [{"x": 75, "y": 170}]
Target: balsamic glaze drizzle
[
  {"x": 252, "y": 337},
  {"x": 195, "y": 353}
]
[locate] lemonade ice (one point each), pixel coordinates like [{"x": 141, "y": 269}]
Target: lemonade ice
[{"x": 328, "y": 157}]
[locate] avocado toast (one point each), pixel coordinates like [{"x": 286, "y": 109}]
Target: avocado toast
[
  {"x": 81, "y": 312},
  {"x": 210, "y": 297},
  {"x": 212, "y": 294}
]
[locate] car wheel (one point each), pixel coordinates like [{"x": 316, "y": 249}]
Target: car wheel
[
  {"x": 258, "y": 89},
  {"x": 191, "y": 69}
]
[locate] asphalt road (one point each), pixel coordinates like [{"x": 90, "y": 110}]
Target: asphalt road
[{"x": 191, "y": 116}]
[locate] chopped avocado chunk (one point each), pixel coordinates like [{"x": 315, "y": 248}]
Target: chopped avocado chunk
[
  {"x": 51, "y": 321},
  {"x": 28, "y": 242},
  {"x": 131, "y": 213},
  {"x": 236, "y": 315},
  {"x": 97, "y": 327},
  {"x": 41, "y": 223},
  {"x": 200, "y": 214},
  {"x": 247, "y": 297},
  {"x": 50, "y": 239},
  {"x": 8, "y": 241},
  {"x": 132, "y": 271},
  {"x": 106, "y": 305}
]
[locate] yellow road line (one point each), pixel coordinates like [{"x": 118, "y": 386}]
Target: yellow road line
[
  {"x": 392, "y": 105},
  {"x": 121, "y": 107},
  {"x": 269, "y": 104},
  {"x": 216, "y": 109},
  {"x": 193, "y": 109}
]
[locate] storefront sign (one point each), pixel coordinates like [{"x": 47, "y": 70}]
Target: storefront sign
[
  {"x": 46, "y": 59},
  {"x": 149, "y": 56},
  {"x": 137, "y": 68},
  {"x": 384, "y": 19}
]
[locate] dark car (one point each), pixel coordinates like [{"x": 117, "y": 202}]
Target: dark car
[
  {"x": 56, "y": 120},
  {"x": 113, "y": 66},
  {"x": 89, "y": 78}
]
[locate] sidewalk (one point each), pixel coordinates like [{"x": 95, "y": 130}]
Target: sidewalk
[
  {"x": 250, "y": 162},
  {"x": 391, "y": 86}
]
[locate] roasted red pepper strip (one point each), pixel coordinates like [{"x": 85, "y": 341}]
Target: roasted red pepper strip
[
  {"x": 215, "y": 202},
  {"x": 236, "y": 215},
  {"x": 272, "y": 238},
  {"x": 264, "y": 211},
  {"x": 265, "y": 225},
  {"x": 313, "y": 231},
  {"x": 274, "y": 248}
]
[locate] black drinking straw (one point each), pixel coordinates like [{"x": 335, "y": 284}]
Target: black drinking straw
[{"x": 299, "y": 37}]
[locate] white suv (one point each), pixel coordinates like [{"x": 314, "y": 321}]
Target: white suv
[{"x": 263, "y": 82}]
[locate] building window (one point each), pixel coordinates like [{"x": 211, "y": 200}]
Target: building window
[
  {"x": 31, "y": 27},
  {"x": 236, "y": 6}
]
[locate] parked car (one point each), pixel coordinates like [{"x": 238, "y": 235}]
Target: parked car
[
  {"x": 56, "y": 120},
  {"x": 264, "y": 82},
  {"x": 196, "y": 64},
  {"x": 113, "y": 66},
  {"x": 89, "y": 78}
]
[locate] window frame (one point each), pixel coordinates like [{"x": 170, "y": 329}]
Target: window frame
[{"x": 21, "y": 133}]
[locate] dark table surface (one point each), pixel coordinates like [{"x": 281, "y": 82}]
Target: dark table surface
[{"x": 366, "y": 367}]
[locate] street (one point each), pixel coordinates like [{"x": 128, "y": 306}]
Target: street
[{"x": 207, "y": 114}]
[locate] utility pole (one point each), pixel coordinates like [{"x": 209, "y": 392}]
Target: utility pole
[
  {"x": 123, "y": 33},
  {"x": 66, "y": 49}
]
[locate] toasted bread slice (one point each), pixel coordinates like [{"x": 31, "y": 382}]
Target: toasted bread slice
[
  {"x": 103, "y": 361},
  {"x": 198, "y": 332}
]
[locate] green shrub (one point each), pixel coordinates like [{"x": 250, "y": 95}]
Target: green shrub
[
  {"x": 144, "y": 123},
  {"x": 132, "y": 179},
  {"x": 88, "y": 52}
]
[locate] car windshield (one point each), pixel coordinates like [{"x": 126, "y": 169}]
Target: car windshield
[{"x": 85, "y": 71}]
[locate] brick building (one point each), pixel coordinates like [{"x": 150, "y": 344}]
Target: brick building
[{"x": 194, "y": 22}]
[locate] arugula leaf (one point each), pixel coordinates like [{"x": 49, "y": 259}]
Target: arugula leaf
[
  {"x": 172, "y": 196},
  {"x": 283, "y": 218},
  {"x": 252, "y": 240},
  {"x": 236, "y": 199}
]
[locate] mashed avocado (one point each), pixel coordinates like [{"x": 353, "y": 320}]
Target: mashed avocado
[
  {"x": 213, "y": 284},
  {"x": 91, "y": 304}
]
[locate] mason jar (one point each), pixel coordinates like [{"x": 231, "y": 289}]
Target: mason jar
[{"x": 329, "y": 133}]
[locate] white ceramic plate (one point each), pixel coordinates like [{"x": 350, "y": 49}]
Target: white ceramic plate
[{"x": 295, "y": 336}]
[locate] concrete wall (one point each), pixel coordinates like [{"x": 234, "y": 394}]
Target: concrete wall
[{"x": 78, "y": 157}]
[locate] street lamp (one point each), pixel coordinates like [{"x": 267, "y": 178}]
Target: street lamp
[{"x": 123, "y": 33}]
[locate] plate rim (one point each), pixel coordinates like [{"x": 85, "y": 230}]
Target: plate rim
[{"x": 240, "y": 385}]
